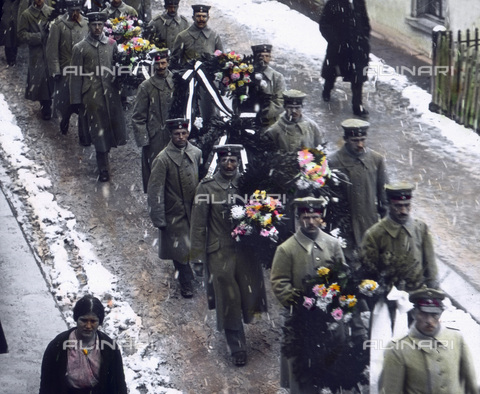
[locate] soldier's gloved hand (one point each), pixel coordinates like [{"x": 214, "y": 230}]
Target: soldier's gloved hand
[
  {"x": 294, "y": 297},
  {"x": 197, "y": 267}
]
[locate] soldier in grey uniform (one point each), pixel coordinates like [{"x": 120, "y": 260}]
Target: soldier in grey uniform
[
  {"x": 32, "y": 30},
  {"x": 171, "y": 191},
  {"x": 300, "y": 255},
  {"x": 432, "y": 358},
  {"x": 117, "y": 8},
  {"x": 143, "y": 8},
  {"x": 294, "y": 131},
  {"x": 67, "y": 30},
  {"x": 94, "y": 92},
  {"x": 167, "y": 25},
  {"x": 235, "y": 286},
  {"x": 151, "y": 110},
  {"x": 269, "y": 85},
  {"x": 190, "y": 45},
  {"x": 367, "y": 175}
]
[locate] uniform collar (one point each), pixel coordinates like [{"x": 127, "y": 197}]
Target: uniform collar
[
  {"x": 268, "y": 72},
  {"x": 71, "y": 24},
  {"x": 427, "y": 343},
  {"x": 176, "y": 154},
  {"x": 308, "y": 243},
  {"x": 159, "y": 82},
  {"x": 195, "y": 32},
  {"x": 226, "y": 183},
  {"x": 94, "y": 42},
  {"x": 167, "y": 19},
  {"x": 44, "y": 10},
  {"x": 393, "y": 228}
]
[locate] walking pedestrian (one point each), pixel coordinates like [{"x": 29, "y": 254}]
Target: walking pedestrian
[
  {"x": 294, "y": 131},
  {"x": 67, "y": 30},
  {"x": 235, "y": 286},
  {"x": 166, "y": 26},
  {"x": 8, "y": 30},
  {"x": 94, "y": 92},
  {"x": 432, "y": 358},
  {"x": 171, "y": 191},
  {"x": 33, "y": 31},
  {"x": 151, "y": 111},
  {"x": 367, "y": 176},
  {"x": 346, "y": 27}
]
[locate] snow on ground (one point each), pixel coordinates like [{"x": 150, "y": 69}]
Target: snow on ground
[{"x": 263, "y": 18}]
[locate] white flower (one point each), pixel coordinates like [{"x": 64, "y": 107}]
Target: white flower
[
  {"x": 198, "y": 123},
  {"x": 258, "y": 76},
  {"x": 238, "y": 212},
  {"x": 347, "y": 317}
]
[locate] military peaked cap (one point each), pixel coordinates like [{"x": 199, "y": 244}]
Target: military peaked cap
[
  {"x": 171, "y": 2},
  {"x": 228, "y": 150},
  {"x": 158, "y": 54},
  {"x": 97, "y": 17},
  {"x": 399, "y": 191},
  {"x": 261, "y": 48},
  {"x": 293, "y": 97},
  {"x": 177, "y": 124},
  {"x": 201, "y": 8},
  {"x": 310, "y": 205},
  {"x": 355, "y": 127},
  {"x": 74, "y": 4},
  {"x": 428, "y": 300}
]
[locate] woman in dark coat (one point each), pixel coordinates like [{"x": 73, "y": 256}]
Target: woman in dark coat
[
  {"x": 83, "y": 360},
  {"x": 345, "y": 26}
]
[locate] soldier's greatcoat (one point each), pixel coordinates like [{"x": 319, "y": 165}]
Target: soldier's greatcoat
[
  {"x": 122, "y": 10},
  {"x": 64, "y": 34},
  {"x": 366, "y": 192},
  {"x": 167, "y": 28},
  {"x": 290, "y": 136},
  {"x": 294, "y": 259},
  {"x": 151, "y": 110},
  {"x": 238, "y": 285},
  {"x": 31, "y": 31},
  {"x": 192, "y": 43},
  {"x": 418, "y": 363},
  {"x": 171, "y": 190},
  {"x": 143, "y": 8},
  {"x": 400, "y": 255},
  {"x": 345, "y": 26},
  {"x": 96, "y": 89},
  {"x": 8, "y": 23}
]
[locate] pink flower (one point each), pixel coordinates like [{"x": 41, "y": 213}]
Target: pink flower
[
  {"x": 319, "y": 290},
  {"x": 337, "y": 314},
  {"x": 235, "y": 76},
  {"x": 264, "y": 232},
  {"x": 304, "y": 157},
  {"x": 308, "y": 302},
  {"x": 218, "y": 52}
]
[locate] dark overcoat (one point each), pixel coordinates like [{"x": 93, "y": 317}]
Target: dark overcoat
[
  {"x": 167, "y": 28},
  {"x": 238, "y": 286},
  {"x": 8, "y": 23},
  {"x": 64, "y": 34},
  {"x": 54, "y": 366},
  {"x": 367, "y": 177},
  {"x": 346, "y": 28},
  {"x": 32, "y": 31},
  {"x": 171, "y": 190},
  {"x": 94, "y": 86}
]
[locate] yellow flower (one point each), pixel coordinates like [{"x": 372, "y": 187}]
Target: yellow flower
[
  {"x": 268, "y": 221},
  {"x": 250, "y": 68},
  {"x": 334, "y": 286},
  {"x": 85, "y": 351},
  {"x": 240, "y": 83},
  {"x": 352, "y": 301},
  {"x": 323, "y": 271},
  {"x": 232, "y": 87}
]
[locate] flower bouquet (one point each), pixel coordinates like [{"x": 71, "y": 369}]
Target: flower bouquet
[
  {"x": 123, "y": 28},
  {"x": 314, "y": 170},
  {"x": 233, "y": 73},
  {"x": 134, "y": 62},
  {"x": 258, "y": 216}
]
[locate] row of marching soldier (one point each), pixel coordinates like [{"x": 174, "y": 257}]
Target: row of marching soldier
[{"x": 195, "y": 232}]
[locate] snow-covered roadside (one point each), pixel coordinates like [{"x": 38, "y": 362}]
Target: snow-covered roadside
[{"x": 61, "y": 246}]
